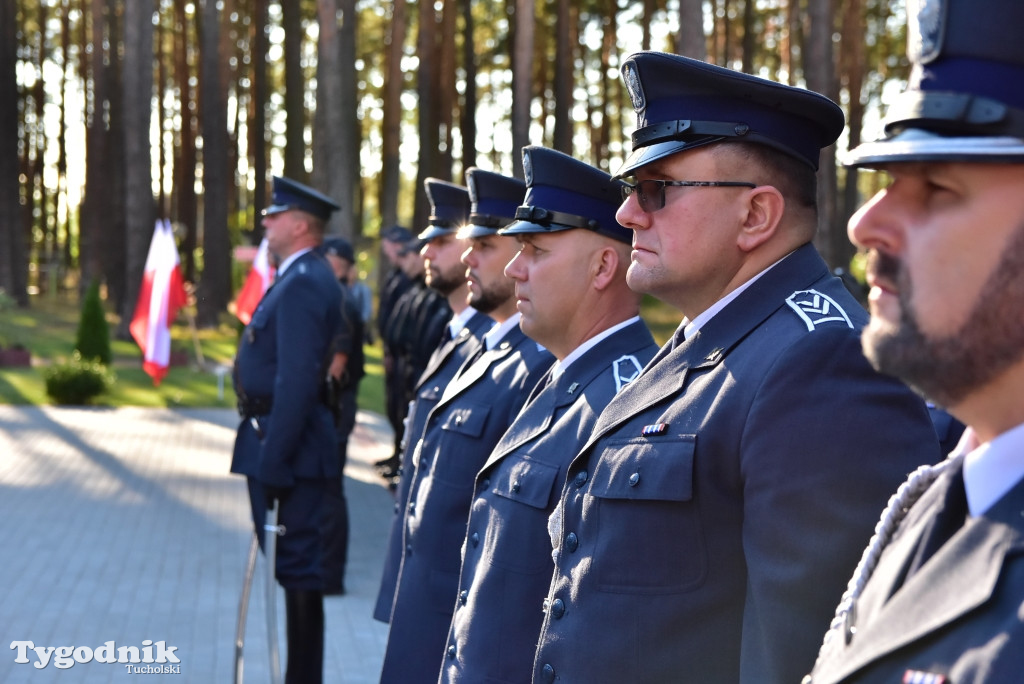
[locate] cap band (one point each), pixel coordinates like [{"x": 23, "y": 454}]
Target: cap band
[
  {"x": 959, "y": 113},
  {"x": 489, "y": 220},
  {"x": 674, "y": 130},
  {"x": 542, "y": 216}
]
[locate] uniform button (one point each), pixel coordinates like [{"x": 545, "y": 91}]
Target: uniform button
[
  {"x": 463, "y": 596},
  {"x": 451, "y": 652},
  {"x": 557, "y": 608},
  {"x": 475, "y": 540},
  {"x": 423, "y": 463},
  {"x": 412, "y": 506},
  {"x": 572, "y": 542},
  {"x": 485, "y": 483},
  {"x": 547, "y": 674},
  {"x": 516, "y": 487},
  {"x": 396, "y": 508},
  {"x": 581, "y": 478},
  {"x": 634, "y": 479},
  {"x": 437, "y": 389},
  {"x": 408, "y": 550},
  {"x": 458, "y": 420}
]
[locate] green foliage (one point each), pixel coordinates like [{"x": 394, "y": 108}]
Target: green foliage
[
  {"x": 77, "y": 381},
  {"x": 93, "y": 338}
]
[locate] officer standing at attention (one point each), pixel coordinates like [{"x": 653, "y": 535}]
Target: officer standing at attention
[
  {"x": 939, "y": 594},
  {"x": 346, "y": 370},
  {"x": 450, "y": 208},
  {"x": 704, "y": 528},
  {"x": 474, "y": 410},
  {"x": 393, "y": 244},
  {"x": 571, "y": 292},
  {"x": 286, "y": 444}
]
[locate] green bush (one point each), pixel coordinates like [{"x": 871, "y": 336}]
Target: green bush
[
  {"x": 93, "y": 338},
  {"x": 77, "y": 381}
]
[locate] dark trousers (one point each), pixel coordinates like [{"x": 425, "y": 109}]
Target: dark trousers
[
  {"x": 299, "y": 556},
  {"x": 335, "y": 526}
]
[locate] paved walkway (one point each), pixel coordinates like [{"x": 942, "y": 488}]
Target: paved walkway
[{"x": 124, "y": 525}]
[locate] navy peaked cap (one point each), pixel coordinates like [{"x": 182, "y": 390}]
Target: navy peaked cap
[
  {"x": 399, "y": 234},
  {"x": 449, "y": 208},
  {"x": 339, "y": 247},
  {"x": 965, "y": 97},
  {"x": 495, "y": 198},
  {"x": 289, "y": 194},
  {"x": 683, "y": 103},
  {"x": 563, "y": 193}
]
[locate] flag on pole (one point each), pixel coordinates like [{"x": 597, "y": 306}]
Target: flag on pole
[
  {"x": 161, "y": 294},
  {"x": 256, "y": 283}
]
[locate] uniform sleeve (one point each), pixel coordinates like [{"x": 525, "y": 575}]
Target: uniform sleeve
[
  {"x": 303, "y": 336},
  {"x": 826, "y": 442}
]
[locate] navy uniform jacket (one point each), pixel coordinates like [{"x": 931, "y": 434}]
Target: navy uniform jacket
[
  {"x": 442, "y": 367},
  {"x": 282, "y": 359},
  {"x": 473, "y": 413},
  {"x": 960, "y": 616},
  {"x": 710, "y": 523},
  {"x": 505, "y": 578}
]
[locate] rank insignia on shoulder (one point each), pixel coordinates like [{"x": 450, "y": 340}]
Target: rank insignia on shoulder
[
  {"x": 626, "y": 369},
  {"x": 656, "y": 429},
  {"x": 815, "y": 308},
  {"x": 919, "y": 677},
  {"x": 573, "y": 387}
]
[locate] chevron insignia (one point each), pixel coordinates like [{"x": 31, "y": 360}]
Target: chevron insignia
[
  {"x": 815, "y": 308},
  {"x": 626, "y": 369}
]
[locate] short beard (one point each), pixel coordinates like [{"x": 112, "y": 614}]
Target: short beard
[
  {"x": 948, "y": 369},
  {"x": 491, "y": 298},
  {"x": 446, "y": 283}
]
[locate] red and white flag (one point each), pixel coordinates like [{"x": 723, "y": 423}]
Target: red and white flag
[
  {"x": 256, "y": 283},
  {"x": 161, "y": 294}
]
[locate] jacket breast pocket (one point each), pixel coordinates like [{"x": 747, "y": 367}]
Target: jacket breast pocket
[
  {"x": 460, "y": 454},
  {"x": 649, "y": 535},
  {"x": 517, "y": 534}
]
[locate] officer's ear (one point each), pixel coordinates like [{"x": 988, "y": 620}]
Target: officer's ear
[
  {"x": 607, "y": 262},
  {"x": 764, "y": 207}
]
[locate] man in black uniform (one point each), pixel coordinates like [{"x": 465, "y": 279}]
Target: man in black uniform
[
  {"x": 345, "y": 372},
  {"x": 286, "y": 444}
]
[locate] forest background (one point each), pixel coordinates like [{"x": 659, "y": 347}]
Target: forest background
[{"x": 116, "y": 112}]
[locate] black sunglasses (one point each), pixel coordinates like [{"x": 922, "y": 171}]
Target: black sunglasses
[{"x": 651, "y": 193}]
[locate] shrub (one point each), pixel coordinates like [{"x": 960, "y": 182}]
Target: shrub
[
  {"x": 93, "y": 338},
  {"x": 77, "y": 381}
]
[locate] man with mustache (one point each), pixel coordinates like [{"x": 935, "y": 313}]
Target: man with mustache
[
  {"x": 459, "y": 432},
  {"x": 442, "y": 255},
  {"x": 702, "y": 527},
  {"x": 939, "y": 594}
]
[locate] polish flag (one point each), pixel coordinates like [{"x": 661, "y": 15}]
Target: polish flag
[
  {"x": 256, "y": 283},
  {"x": 161, "y": 294}
]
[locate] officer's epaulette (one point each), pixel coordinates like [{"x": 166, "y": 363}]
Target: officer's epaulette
[{"x": 816, "y": 308}]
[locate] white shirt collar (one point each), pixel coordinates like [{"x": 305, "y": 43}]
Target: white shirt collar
[
  {"x": 991, "y": 469},
  {"x": 499, "y": 330},
  {"x": 691, "y": 327},
  {"x": 290, "y": 259},
  {"x": 560, "y": 367},
  {"x": 460, "y": 320}
]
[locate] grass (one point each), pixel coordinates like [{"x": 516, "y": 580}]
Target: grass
[{"x": 47, "y": 329}]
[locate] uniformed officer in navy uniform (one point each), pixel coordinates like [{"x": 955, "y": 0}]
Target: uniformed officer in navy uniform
[
  {"x": 394, "y": 244},
  {"x": 458, "y": 434},
  {"x": 706, "y": 525},
  {"x": 442, "y": 253},
  {"x": 346, "y": 370},
  {"x": 286, "y": 444},
  {"x": 571, "y": 291},
  {"x": 939, "y": 595}
]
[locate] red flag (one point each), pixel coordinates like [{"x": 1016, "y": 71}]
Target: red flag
[
  {"x": 256, "y": 283},
  {"x": 161, "y": 294}
]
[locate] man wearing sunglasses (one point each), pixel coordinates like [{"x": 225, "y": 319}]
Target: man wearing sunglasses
[{"x": 704, "y": 529}]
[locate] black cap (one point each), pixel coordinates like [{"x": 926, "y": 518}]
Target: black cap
[
  {"x": 339, "y": 247},
  {"x": 683, "y": 103},
  {"x": 399, "y": 234},
  {"x": 289, "y": 194},
  {"x": 563, "y": 193},
  {"x": 495, "y": 198},
  {"x": 964, "y": 100},
  {"x": 449, "y": 208}
]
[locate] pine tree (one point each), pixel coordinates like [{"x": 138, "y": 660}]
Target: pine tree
[{"x": 93, "y": 338}]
